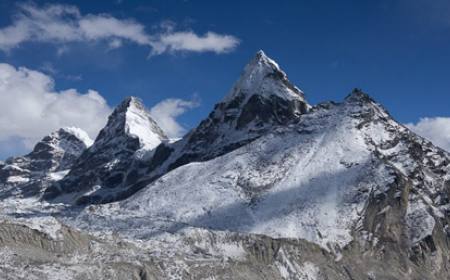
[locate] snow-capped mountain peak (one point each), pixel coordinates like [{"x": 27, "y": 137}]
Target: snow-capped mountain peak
[
  {"x": 131, "y": 119},
  {"x": 260, "y": 100},
  {"x": 263, "y": 76}
]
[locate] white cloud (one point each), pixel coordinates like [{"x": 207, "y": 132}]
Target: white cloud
[
  {"x": 166, "y": 112},
  {"x": 30, "y": 108},
  {"x": 63, "y": 24},
  {"x": 437, "y": 130},
  {"x": 189, "y": 41}
]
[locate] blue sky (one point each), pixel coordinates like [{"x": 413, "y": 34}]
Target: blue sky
[{"x": 398, "y": 51}]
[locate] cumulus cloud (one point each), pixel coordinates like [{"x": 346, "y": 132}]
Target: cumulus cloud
[
  {"x": 30, "y": 108},
  {"x": 63, "y": 24},
  {"x": 166, "y": 112},
  {"x": 437, "y": 130}
]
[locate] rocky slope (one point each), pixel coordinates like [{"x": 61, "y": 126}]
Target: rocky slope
[
  {"x": 267, "y": 187},
  {"x": 50, "y": 160}
]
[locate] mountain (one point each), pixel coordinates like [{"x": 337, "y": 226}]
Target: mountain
[
  {"x": 262, "y": 98},
  {"x": 346, "y": 177},
  {"x": 50, "y": 159},
  {"x": 103, "y": 171},
  {"x": 266, "y": 187}
]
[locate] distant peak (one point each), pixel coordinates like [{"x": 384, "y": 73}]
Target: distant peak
[
  {"x": 67, "y": 134},
  {"x": 60, "y": 148},
  {"x": 78, "y": 133}
]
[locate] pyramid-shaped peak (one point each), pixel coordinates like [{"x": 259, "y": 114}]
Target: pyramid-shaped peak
[
  {"x": 263, "y": 59},
  {"x": 132, "y": 119},
  {"x": 263, "y": 76},
  {"x": 261, "y": 62}
]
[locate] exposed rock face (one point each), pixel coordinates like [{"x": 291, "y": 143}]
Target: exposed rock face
[
  {"x": 103, "y": 170},
  {"x": 50, "y": 159}
]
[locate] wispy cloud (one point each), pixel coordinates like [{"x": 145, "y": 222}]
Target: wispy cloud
[
  {"x": 437, "y": 130},
  {"x": 166, "y": 112},
  {"x": 63, "y": 24}
]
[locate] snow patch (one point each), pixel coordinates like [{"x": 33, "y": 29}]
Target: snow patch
[{"x": 17, "y": 179}]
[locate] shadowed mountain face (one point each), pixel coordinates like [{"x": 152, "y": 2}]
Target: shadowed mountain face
[
  {"x": 266, "y": 187},
  {"x": 102, "y": 171},
  {"x": 50, "y": 159}
]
